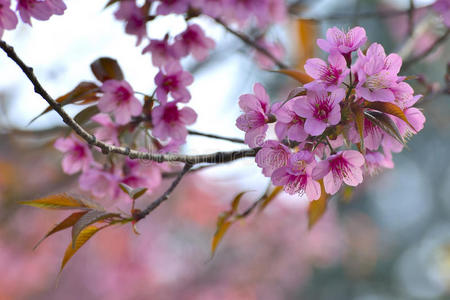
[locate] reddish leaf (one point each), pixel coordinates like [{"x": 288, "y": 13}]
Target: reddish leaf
[
  {"x": 87, "y": 219},
  {"x": 64, "y": 224},
  {"x": 306, "y": 44},
  {"x": 389, "y": 108},
  {"x": 317, "y": 207},
  {"x": 385, "y": 123},
  {"x": 85, "y": 91},
  {"x": 86, "y": 114},
  {"x": 300, "y": 76},
  {"x": 62, "y": 201},
  {"x": 82, "y": 238},
  {"x": 220, "y": 232},
  {"x": 106, "y": 68},
  {"x": 270, "y": 197},
  {"x": 359, "y": 120}
]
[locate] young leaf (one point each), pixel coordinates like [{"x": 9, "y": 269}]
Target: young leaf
[
  {"x": 106, "y": 68},
  {"x": 85, "y": 91},
  {"x": 222, "y": 228},
  {"x": 389, "y": 108},
  {"x": 82, "y": 238},
  {"x": 269, "y": 198},
  {"x": 126, "y": 188},
  {"x": 300, "y": 76},
  {"x": 235, "y": 202},
  {"x": 87, "y": 219},
  {"x": 60, "y": 201},
  {"x": 359, "y": 120},
  {"x": 136, "y": 193},
  {"x": 385, "y": 122},
  {"x": 317, "y": 207},
  {"x": 64, "y": 224},
  {"x": 87, "y": 113}
]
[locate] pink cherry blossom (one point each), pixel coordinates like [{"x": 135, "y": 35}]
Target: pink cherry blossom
[
  {"x": 101, "y": 183},
  {"x": 328, "y": 76},
  {"x": 166, "y": 7},
  {"x": 273, "y": 155},
  {"x": 344, "y": 166},
  {"x": 173, "y": 79},
  {"x": 8, "y": 19},
  {"x": 296, "y": 176},
  {"x": 139, "y": 174},
  {"x": 276, "y": 49},
  {"x": 377, "y": 74},
  {"x": 193, "y": 40},
  {"x": 254, "y": 120},
  {"x": 77, "y": 155},
  {"x": 443, "y": 8},
  {"x": 134, "y": 17},
  {"x": 212, "y": 8},
  {"x": 162, "y": 53},
  {"x": 288, "y": 124},
  {"x": 169, "y": 121},
  {"x": 342, "y": 42},
  {"x": 320, "y": 109},
  {"x": 375, "y": 161},
  {"x": 373, "y": 135},
  {"x": 119, "y": 99},
  {"x": 108, "y": 131},
  {"x": 38, "y": 9}
]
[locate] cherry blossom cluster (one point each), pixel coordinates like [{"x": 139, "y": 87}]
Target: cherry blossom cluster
[
  {"x": 162, "y": 115},
  {"x": 339, "y": 127},
  {"x": 39, "y": 9}
]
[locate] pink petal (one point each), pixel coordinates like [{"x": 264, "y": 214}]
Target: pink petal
[
  {"x": 353, "y": 157},
  {"x": 314, "y": 127},
  {"x": 321, "y": 169}
]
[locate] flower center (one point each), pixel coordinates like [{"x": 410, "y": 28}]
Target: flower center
[
  {"x": 122, "y": 94},
  {"x": 171, "y": 114},
  {"x": 329, "y": 75},
  {"x": 322, "y": 108}
]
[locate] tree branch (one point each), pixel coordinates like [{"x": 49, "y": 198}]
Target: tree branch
[
  {"x": 218, "y": 137},
  {"x": 142, "y": 214},
  {"x": 411, "y": 61},
  {"x": 218, "y": 157},
  {"x": 252, "y": 44}
]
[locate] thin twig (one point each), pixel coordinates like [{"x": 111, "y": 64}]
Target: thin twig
[
  {"x": 252, "y": 44},
  {"x": 213, "y": 136},
  {"x": 411, "y": 17},
  {"x": 142, "y": 214},
  {"x": 364, "y": 15},
  {"x": 218, "y": 157},
  {"x": 411, "y": 61}
]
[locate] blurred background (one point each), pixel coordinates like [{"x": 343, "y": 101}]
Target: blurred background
[{"x": 390, "y": 239}]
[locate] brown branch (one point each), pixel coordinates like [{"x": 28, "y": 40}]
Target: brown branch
[
  {"x": 218, "y": 137},
  {"x": 411, "y": 61},
  {"x": 142, "y": 214},
  {"x": 364, "y": 15},
  {"x": 252, "y": 44},
  {"x": 218, "y": 157}
]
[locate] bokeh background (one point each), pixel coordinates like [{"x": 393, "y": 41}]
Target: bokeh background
[{"x": 390, "y": 239}]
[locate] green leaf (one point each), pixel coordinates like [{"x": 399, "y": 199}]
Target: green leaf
[
  {"x": 317, "y": 207},
  {"x": 87, "y": 219},
  {"x": 82, "y": 238},
  {"x": 85, "y": 91},
  {"x": 62, "y": 201},
  {"x": 386, "y": 124},
  {"x": 86, "y": 114},
  {"x": 133, "y": 193},
  {"x": 269, "y": 198},
  {"x": 106, "y": 68},
  {"x": 64, "y": 224}
]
